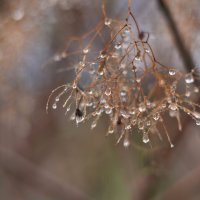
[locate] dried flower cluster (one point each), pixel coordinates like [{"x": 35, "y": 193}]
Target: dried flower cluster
[{"x": 125, "y": 81}]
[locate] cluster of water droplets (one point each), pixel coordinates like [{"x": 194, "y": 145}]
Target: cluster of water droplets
[{"x": 117, "y": 88}]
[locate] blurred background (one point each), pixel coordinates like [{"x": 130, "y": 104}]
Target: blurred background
[{"x": 46, "y": 157}]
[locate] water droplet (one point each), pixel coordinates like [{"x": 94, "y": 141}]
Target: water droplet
[
  {"x": 57, "y": 99},
  {"x": 196, "y": 115},
  {"x": 145, "y": 138},
  {"x": 156, "y": 116},
  {"x": 118, "y": 46},
  {"x": 73, "y": 117},
  {"x": 142, "y": 107},
  {"x": 132, "y": 111},
  {"x": 138, "y": 56},
  {"x": 128, "y": 127},
  {"x": 171, "y": 145},
  {"x": 187, "y": 93},
  {"x": 189, "y": 78},
  {"x": 82, "y": 64},
  {"x": 196, "y": 90},
  {"x": 126, "y": 30},
  {"x": 86, "y": 50},
  {"x": 141, "y": 125},
  {"x": 68, "y": 108},
  {"x": 107, "y": 22},
  {"x": 148, "y": 123},
  {"x": 93, "y": 125},
  {"x": 110, "y": 130},
  {"x": 173, "y": 113},
  {"x": 79, "y": 116},
  {"x": 108, "y": 92},
  {"x": 198, "y": 122},
  {"x": 54, "y": 106},
  {"x": 173, "y": 106},
  {"x": 138, "y": 80},
  {"x": 79, "y": 119},
  {"x": 172, "y": 72},
  {"x": 124, "y": 114},
  {"x": 123, "y": 93},
  {"x": 134, "y": 122},
  {"x": 126, "y": 142},
  {"x": 108, "y": 111}
]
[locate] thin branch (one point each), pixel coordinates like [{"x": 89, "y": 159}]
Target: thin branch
[{"x": 185, "y": 54}]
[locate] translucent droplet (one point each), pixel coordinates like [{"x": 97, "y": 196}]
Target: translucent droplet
[
  {"x": 141, "y": 125},
  {"x": 118, "y": 46},
  {"x": 82, "y": 64},
  {"x": 108, "y": 92},
  {"x": 110, "y": 130},
  {"x": 107, "y": 21},
  {"x": 124, "y": 114},
  {"x": 123, "y": 93},
  {"x": 138, "y": 56},
  {"x": 172, "y": 113},
  {"x": 128, "y": 127},
  {"x": 189, "y": 78},
  {"x": 73, "y": 117},
  {"x": 196, "y": 90},
  {"x": 198, "y": 122},
  {"x": 108, "y": 111},
  {"x": 196, "y": 115},
  {"x": 147, "y": 50},
  {"x": 93, "y": 125},
  {"x": 68, "y": 108},
  {"x": 57, "y": 99},
  {"x": 90, "y": 92},
  {"x": 126, "y": 142},
  {"x": 156, "y": 116},
  {"x": 122, "y": 66},
  {"x": 86, "y": 50},
  {"x": 173, "y": 106},
  {"x": 187, "y": 93},
  {"x": 164, "y": 105},
  {"x": 102, "y": 101},
  {"x": 79, "y": 119},
  {"x": 145, "y": 138},
  {"x": 134, "y": 122},
  {"x": 89, "y": 104},
  {"x": 79, "y": 116},
  {"x": 172, "y": 72},
  {"x": 142, "y": 107},
  {"x": 138, "y": 80},
  {"x": 171, "y": 145},
  {"x": 132, "y": 111},
  {"x": 148, "y": 123},
  {"x": 126, "y": 30},
  {"x": 101, "y": 71},
  {"x": 54, "y": 106}
]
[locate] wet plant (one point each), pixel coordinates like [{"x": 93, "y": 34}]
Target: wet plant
[{"x": 121, "y": 78}]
